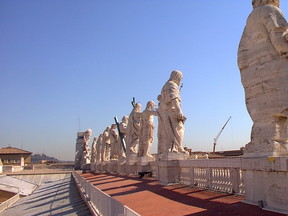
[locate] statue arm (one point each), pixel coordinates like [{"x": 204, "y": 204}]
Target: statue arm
[
  {"x": 178, "y": 110},
  {"x": 277, "y": 28},
  {"x": 155, "y": 113},
  {"x": 123, "y": 128}
]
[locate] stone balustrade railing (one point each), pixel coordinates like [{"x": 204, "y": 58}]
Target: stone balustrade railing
[{"x": 223, "y": 175}]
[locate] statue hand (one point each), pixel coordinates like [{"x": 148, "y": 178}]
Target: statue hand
[{"x": 181, "y": 117}]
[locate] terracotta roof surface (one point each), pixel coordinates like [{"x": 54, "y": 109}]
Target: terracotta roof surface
[
  {"x": 149, "y": 198},
  {"x": 11, "y": 150}
]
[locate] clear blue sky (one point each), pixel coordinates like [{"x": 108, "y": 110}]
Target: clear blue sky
[{"x": 65, "y": 60}]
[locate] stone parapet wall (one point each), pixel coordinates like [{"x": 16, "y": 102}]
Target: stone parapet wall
[{"x": 223, "y": 175}]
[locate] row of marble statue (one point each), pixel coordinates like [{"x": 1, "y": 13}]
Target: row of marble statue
[{"x": 133, "y": 136}]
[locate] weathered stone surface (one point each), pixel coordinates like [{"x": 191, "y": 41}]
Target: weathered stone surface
[
  {"x": 169, "y": 171},
  {"x": 263, "y": 62},
  {"x": 94, "y": 150},
  {"x": 147, "y": 130},
  {"x": 106, "y": 147},
  {"x": 133, "y": 130},
  {"x": 170, "y": 116},
  {"x": 83, "y": 152},
  {"x": 114, "y": 142},
  {"x": 98, "y": 148}
]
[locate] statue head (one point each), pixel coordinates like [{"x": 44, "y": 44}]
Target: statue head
[
  {"x": 125, "y": 119},
  {"x": 150, "y": 105},
  {"x": 137, "y": 107},
  {"x": 256, "y": 3},
  {"x": 87, "y": 134},
  {"x": 176, "y": 76},
  {"x": 113, "y": 126},
  {"x": 107, "y": 129},
  {"x": 88, "y": 131}
]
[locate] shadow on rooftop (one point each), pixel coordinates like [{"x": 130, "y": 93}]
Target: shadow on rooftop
[{"x": 213, "y": 203}]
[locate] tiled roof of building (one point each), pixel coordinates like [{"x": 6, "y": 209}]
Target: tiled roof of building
[{"x": 11, "y": 150}]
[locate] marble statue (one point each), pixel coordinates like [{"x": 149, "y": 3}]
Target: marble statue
[
  {"x": 98, "y": 148},
  {"x": 86, "y": 156},
  {"x": 133, "y": 129},
  {"x": 263, "y": 64},
  {"x": 103, "y": 148},
  {"x": 123, "y": 126},
  {"x": 170, "y": 116},
  {"x": 79, "y": 150},
  {"x": 147, "y": 130},
  {"x": 106, "y": 145},
  {"x": 123, "y": 130},
  {"x": 94, "y": 151},
  {"x": 114, "y": 142}
]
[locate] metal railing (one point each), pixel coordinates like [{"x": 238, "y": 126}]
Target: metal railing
[{"x": 100, "y": 202}]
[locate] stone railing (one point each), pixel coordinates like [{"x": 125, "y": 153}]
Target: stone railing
[
  {"x": 99, "y": 202},
  {"x": 4, "y": 205},
  {"x": 224, "y": 175}
]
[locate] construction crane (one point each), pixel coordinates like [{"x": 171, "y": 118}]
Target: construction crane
[{"x": 216, "y": 138}]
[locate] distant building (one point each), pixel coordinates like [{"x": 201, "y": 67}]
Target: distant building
[{"x": 14, "y": 156}]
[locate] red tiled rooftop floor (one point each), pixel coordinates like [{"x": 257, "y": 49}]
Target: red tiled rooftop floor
[{"x": 149, "y": 198}]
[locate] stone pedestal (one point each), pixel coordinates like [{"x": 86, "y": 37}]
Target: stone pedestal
[
  {"x": 131, "y": 169},
  {"x": 97, "y": 166},
  {"x": 93, "y": 167},
  {"x": 131, "y": 159},
  {"x": 144, "y": 160},
  {"x": 266, "y": 181},
  {"x": 169, "y": 171},
  {"x": 112, "y": 166},
  {"x": 131, "y": 164},
  {"x": 86, "y": 167},
  {"x": 122, "y": 167},
  {"x": 174, "y": 156},
  {"x": 143, "y": 164},
  {"x": 104, "y": 166}
]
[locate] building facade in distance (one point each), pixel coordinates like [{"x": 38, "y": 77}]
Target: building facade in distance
[{"x": 15, "y": 156}]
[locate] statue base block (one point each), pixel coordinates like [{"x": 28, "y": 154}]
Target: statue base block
[
  {"x": 145, "y": 160},
  {"x": 98, "y": 166},
  {"x": 131, "y": 159},
  {"x": 103, "y": 167},
  {"x": 121, "y": 161},
  {"x": 174, "y": 156},
  {"x": 266, "y": 182},
  {"x": 112, "y": 166},
  {"x": 131, "y": 170},
  {"x": 169, "y": 171},
  {"x": 143, "y": 164}
]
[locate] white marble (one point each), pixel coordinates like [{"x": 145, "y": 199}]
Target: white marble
[
  {"x": 170, "y": 116},
  {"x": 147, "y": 131},
  {"x": 263, "y": 63}
]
